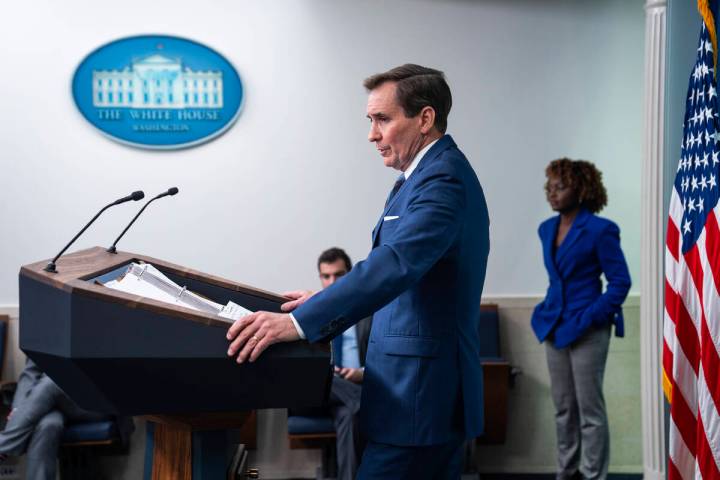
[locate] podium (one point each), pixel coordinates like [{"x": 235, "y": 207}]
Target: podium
[{"x": 123, "y": 354}]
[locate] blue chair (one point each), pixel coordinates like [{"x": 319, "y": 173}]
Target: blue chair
[
  {"x": 313, "y": 428},
  {"x": 82, "y": 442},
  {"x": 90, "y": 433},
  {"x": 6, "y": 388},
  {"x": 497, "y": 377}
]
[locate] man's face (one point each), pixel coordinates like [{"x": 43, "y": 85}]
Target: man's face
[
  {"x": 398, "y": 138},
  {"x": 330, "y": 272}
]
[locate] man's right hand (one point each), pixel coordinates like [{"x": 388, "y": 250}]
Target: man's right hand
[{"x": 298, "y": 297}]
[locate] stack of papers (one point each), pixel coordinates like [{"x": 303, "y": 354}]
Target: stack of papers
[{"x": 149, "y": 282}]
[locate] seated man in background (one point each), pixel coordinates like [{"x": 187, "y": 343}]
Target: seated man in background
[
  {"x": 349, "y": 350},
  {"x": 37, "y": 419}
]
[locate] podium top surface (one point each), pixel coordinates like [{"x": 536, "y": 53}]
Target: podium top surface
[{"x": 76, "y": 270}]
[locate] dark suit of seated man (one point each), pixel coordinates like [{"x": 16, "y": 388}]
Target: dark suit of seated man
[
  {"x": 349, "y": 350},
  {"x": 37, "y": 419}
]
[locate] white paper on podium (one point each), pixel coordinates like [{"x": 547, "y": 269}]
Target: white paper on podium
[
  {"x": 147, "y": 281},
  {"x": 233, "y": 311}
]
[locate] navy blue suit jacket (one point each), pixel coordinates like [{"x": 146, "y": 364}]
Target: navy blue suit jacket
[
  {"x": 574, "y": 300},
  {"x": 423, "y": 279}
]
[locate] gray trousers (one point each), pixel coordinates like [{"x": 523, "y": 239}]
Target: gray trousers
[
  {"x": 344, "y": 403},
  {"x": 576, "y": 379},
  {"x": 36, "y": 424}
]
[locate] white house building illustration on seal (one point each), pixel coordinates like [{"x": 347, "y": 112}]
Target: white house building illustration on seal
[{"x": 157, "y": 82}]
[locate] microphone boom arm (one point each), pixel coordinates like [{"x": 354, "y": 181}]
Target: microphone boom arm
[
  {"x": 112, "y": 248},
  {"x": 171, "y": 191},
  {"x": 51, "y": 267}
]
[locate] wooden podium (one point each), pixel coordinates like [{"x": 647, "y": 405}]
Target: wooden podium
[{"x": 124, "y": 354}]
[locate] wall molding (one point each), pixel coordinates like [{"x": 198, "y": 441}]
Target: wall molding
[
  {"x": 529, "y": 301},
  {"x": 531, "y": 469},
  {"x": 9, "y": 309}
]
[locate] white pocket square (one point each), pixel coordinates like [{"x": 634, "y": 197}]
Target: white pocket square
[{"x": 390, "y": 217}]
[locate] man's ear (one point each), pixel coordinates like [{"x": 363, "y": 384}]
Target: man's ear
[{"x": 427, "y": 119}]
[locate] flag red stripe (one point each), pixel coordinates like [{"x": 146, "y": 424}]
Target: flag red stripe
[
  {"x": 684, "y": 327},
  {"x": 667, "y": 360},
  {"x": 673, "y": 472},
  {"x": 694, "y": 266},
  {"x": 673, "y": 239},
  {"x": 710, "y": 362},
  {"x": 683, "y": 417},
  {"x": 705, "y": 458},
  {"x": 712, "y": 247}
]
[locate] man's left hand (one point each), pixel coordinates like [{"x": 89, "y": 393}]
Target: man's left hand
[
  {"x": 354, "y": 375},
  {"x": 253, "y": 333}
]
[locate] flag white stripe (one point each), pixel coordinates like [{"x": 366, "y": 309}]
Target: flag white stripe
[
  {"x": 688, "y": 293},
  {"x": 676, "y": 209},
  {"x": 671, "y": 270},
  {"x": 711, "y": 299},
  {"x": 669, "y": 332},
  {"x": 709, "y": 417}
]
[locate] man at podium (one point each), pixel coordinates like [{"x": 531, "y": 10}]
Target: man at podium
[{"x": 422, "y": 389}]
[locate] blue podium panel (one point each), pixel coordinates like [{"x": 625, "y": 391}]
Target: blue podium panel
[{"x": 124, "y": 354}]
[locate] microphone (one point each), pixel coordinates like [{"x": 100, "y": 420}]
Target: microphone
[
  {"x": 139, "y": 195},
  {"x": 135, "y": 196},
  {"x": 170, "y": 191}
]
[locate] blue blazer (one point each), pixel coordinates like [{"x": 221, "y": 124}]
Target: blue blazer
[
  {"x": 574, "y": 300},
  {"x": 422, "y": 279}
]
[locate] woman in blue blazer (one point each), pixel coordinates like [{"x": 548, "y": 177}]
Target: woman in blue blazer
[{"x": 575, "y": 318}]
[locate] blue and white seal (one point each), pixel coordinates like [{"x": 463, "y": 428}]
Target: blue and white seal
[{"x": 158, "y": 91}]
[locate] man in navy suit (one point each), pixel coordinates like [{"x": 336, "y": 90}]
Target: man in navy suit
[{"x": 422, "y": 391}]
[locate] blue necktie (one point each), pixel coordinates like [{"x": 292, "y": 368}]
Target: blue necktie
[{"x": 396, "y": 187}]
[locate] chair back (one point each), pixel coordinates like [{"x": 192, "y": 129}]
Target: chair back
[
  {"x": 489, "y": 330},
  {"x": 4, "y": 326}
]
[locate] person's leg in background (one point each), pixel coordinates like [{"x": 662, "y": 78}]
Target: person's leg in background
[
  {"x": 567, "y": 418},
  {"x": 588, "y": 357},
  {"x": 344, "y": 405},
  {"x": 27, "y": 410},
  {"x": 42, "y": 451}
]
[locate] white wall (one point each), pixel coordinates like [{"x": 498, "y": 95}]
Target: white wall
[{"x": 531, "y": 81}]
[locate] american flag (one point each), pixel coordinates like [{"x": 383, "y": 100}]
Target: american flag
[{"x": 691, "y": 361}]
